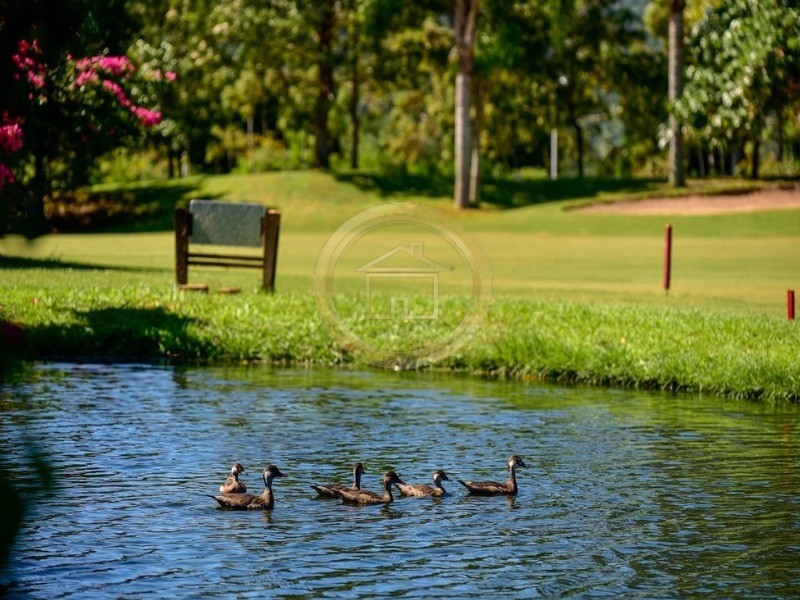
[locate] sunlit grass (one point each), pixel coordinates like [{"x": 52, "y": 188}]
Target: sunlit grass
[{"x": 577, "y": 297}]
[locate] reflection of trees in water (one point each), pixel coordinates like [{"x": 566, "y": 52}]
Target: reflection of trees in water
[
  {"x": 12, "y": 507},
  {"x": 721, "y": 485}
]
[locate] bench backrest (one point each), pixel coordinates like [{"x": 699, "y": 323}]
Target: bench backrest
[{"x": 226, "y": 223}]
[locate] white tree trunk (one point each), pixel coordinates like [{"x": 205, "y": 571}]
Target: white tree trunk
[
  {"x": 675, "y": 74},
  {"x": 463, "y": 140},
  {"x": 465, "y": 22}
]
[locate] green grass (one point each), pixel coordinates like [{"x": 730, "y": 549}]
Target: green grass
[{"x": 577, "y": 297}]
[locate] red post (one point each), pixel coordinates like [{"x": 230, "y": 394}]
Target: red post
[
  {"x": 667, "y": 258},
  {"x": 790, "y": 304}
]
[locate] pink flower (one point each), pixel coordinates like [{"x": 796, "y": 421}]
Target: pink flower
[
  {"x": 117, "y": 90},
  {"x": 84, "y": 64},
  {"x": 88, "y": 76},
  {"x": 170, "y": 75},
  {"x": 146, "y": 117},
  {"x": 24, "y": 62},
  {"x": 35, "y": 80},
  {"x": 116, "y": 65},
  {"x": 10, "y": 138}
]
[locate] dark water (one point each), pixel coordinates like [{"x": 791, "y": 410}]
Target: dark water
[{"x": 625, "y": 494}]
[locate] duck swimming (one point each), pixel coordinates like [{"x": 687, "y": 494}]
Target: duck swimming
[
  {"x": 266, "y": 501},
  {"x": 329, "y": 491},
  {"x": 492, "y": 488},
  {"x": 364, "y": 497},
  {"x": 421, "y": 490},
  {"x": 232, "y": 484}
]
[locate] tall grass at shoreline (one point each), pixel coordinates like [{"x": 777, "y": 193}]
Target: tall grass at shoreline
[{"x": 628, "y": 346}]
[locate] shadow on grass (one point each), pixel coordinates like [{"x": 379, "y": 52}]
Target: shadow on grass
[
  {"x": 504, "y": 193},
  {"x": 125, "y": 333},
  {"x": 128, "y": 210},
  {"x": 20, "y": 262},
  {"x": 398, "y": 184},
  {"x": 509, "y": 193}
]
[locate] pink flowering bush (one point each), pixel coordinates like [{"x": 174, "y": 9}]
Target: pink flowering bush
[
  {"x": 10, "y": 142},
  {"x": 26, "y": 61},
  {"x": 110, "y": 72},
  {"x": 10, "y": 137},
  {"x": 63, "y": 104},
  {"x": 103, "y": 98}
]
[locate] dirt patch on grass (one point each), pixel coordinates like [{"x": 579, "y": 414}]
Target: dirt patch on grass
[{"x": 764, "y": 200}]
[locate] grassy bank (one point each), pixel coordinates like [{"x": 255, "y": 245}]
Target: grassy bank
[
  {"x": 628, "y": 346},
  {"x": 577, "y": 298}
]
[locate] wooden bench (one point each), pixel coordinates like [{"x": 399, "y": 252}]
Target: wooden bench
[{"x": 214, "y": 223}]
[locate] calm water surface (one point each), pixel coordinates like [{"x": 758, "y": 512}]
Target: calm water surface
[{"x": 625, "y": 494}]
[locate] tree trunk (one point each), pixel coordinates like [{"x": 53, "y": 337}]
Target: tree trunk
[
  {"x": 475, "y": 166},
  {"x": 734, "y": 154},
  {"x": 675, "y": 72},
  {"x": 251, "y": 143},
  {"x": 355, "y": 123},
  {"x": 755, "y": 159},
  {"x": 35, "y": 223},
  {"x": 701, "y": 165},
  {"x": 573, "y": 121},
  {"x": 326, "y": 88},
  {"x": 579, "y": 146},
  {"x": 465, "y": 22}
]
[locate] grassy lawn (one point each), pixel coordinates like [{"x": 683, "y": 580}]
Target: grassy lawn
[{"x": 577, "y": 297}]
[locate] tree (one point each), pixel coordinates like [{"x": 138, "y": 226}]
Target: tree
[
  {"x": 355, "y": 18},
  {"x": 60, "y": 111},
  {"x": 745, "y": 64},
  {"x": 586, "y": 39},
  {"x": 675, "y": 86},
  {"x": 411, "y": 91},
  {"x": 326, "y": 30},
  {"x": 466, "y": 17}
]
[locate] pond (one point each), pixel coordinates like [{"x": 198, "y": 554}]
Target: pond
[{"x": 625, "y": 493}]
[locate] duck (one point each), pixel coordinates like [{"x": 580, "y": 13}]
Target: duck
[
  {"x": 266, "y": 501},
  {"x": 232, "y": 484},
  {"x": 364, "y": 497},
  {"x": 493, "y": 488},
  {"x": 421, "y": 490},
  {"x": 329, "y": 491}
]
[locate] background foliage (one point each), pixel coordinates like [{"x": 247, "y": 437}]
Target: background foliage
[{"x": 283, "y": 84}]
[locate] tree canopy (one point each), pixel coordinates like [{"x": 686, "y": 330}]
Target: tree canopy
[
  {"x": 745, "y": 67},
  {"x": 268, "y": 84}
]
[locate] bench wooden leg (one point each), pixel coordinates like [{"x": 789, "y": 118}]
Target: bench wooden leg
[
  {"x": 271, "y": 230},
  {"x": 183, "y": 224}
]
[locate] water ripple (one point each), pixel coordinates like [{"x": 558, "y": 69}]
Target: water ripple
[{"x": 626, "y": 494}]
